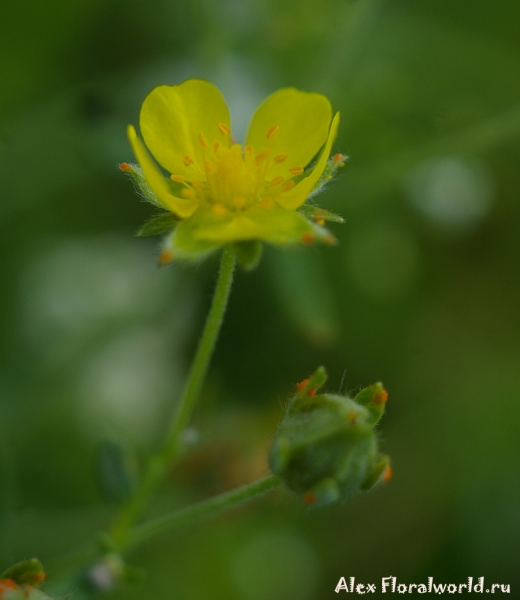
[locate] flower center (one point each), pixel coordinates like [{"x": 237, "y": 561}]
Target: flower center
[{"x": 235, "y": 177}]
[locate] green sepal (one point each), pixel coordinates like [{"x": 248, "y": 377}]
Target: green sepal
[
  {"x": 333, "y": 164},
  {"x": 28, "y": 572},
  {"x": 310, "y": 211},
  {"x": 158, "y": 224},
  {"x": 374, "y": 397},
  {"x": 142, "y": 188},
  {"x": 248, "y": 253},
  {"x": 376, "y": 473}
]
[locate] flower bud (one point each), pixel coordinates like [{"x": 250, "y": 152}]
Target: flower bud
[{"x": 325, "y": 448}]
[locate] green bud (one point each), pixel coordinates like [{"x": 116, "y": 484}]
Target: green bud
[
  {"x": 374, "y": 397},
  {"x": 325, "y": 448}
]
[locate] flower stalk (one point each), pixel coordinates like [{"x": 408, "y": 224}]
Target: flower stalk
[{"x": 184, "y": 409}]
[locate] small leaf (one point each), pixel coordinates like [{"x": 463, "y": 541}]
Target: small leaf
[
  {"x": 249, "y": 254},
  {"x": 157, "y": 225}
]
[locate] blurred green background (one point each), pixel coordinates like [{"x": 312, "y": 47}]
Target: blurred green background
[{"x": 422, "y": 292}]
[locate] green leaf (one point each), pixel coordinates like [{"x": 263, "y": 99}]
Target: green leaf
[
  {"x": 158, "y": 224},
  {"x": 249, "y": 253}
]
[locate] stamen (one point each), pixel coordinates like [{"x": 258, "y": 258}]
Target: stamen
[
  {"x": 224, "y": 129},
  {"x": 187, "y": 160},
  {"x": 203, "y": 141},
  {"x": 248, "y": 149},
  {"x": 261, "y": 156},
  {"x": 198, "y": 185},
  {"x": 277, "y": 180},
  {"x": 296, "y": 170},
  {"x": 279, "y": 158},
  {"x": 188, "y": 193},
  {"x": 288, "y": 185},
  {"x": 216, "y": 146},
  {"x": 210, "y": 167},
  {"x": 272, "y": 132},
  {"x": 219, "y": 210},
  {"x": 239, "y": 202},
  {"x": 177, "y": 178},
  {"x": 266, "y": 203}
]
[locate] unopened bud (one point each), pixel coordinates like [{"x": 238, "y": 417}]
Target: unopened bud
[{"x": 325, "y": 448}]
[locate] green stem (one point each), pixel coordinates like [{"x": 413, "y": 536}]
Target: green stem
[
  {"x": 202, "y": 510},
  {"x": 184, "y": 409}
]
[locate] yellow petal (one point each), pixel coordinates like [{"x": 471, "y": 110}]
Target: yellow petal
[
  {"x": 176, "y": 120},
  {"x": 297, "y": 196},
  {"x": 290, "y": 122},
  {"x": 182, "y": 207}
]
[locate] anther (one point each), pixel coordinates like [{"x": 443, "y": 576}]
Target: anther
[
  {"x": 272, "y": 132},
  {"x": 187, "y": 160},
  {"x": 279, "y": 158},
  {"x": 203, "y": 141},
  {"x": 224, "y": 129},
  {"x": 277, "y": 180},
  {"x": 177, "y": 178},
  {"x": 219, "y": 210},
  {"x": 210, "y": 167},
  {"x": 266, "y": 203},
  {"x": 198, "y": 185},
  {"x": 188, "y": 193},
  {"x": 261, "y": 156},
  {"x": 216, "y": 146},
  {"x": 288, "y": 185},
  {"x": 296, "y": 170}
]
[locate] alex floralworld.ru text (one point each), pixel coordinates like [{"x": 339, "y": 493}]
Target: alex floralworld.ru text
[{"x": 389, "y": 584}]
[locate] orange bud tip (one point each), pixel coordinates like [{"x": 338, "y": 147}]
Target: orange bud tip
[
  {"x": 39, "y": 576},
  {"x": 224, "y": 129},
  {"x": 187, "y": 160},
  {"x": 311, "y": 392},
  {"x": 296, "y": 170},
  {"x": 307, "y": 238},
  {"x": 381, "y": 397},
  {"x": 387, "y": 475},
  {"x": 272, "y": 132},
  {"x": 309, "y": 498},
  {"x": 125, "y": 167},
  {"x": 302, "y": 384},
  {"x": 165, "y": 257}
]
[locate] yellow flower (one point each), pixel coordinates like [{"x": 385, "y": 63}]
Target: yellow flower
[{"x": 223, "y": 192}]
